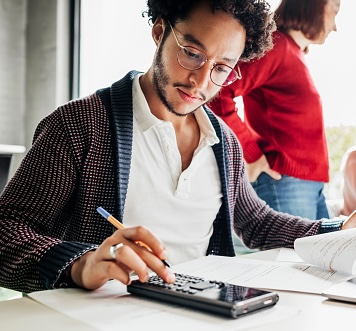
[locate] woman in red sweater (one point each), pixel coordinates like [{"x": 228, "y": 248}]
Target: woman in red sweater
[{"x": 283, "y": 134}]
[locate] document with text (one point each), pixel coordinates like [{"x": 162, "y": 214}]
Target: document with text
[
  {"x": 333, "y": 251},
  {"x": 270, "y": 275}
]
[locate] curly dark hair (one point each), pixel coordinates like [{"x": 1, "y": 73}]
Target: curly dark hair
[{"x": 254, "y": 15}]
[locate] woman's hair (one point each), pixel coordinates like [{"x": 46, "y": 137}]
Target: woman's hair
[
  {"x": 306, "y": 16},
  {"x": 254, "y": 15}
]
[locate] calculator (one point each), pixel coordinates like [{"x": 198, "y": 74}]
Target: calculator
[{"x": 207, "y": 295}]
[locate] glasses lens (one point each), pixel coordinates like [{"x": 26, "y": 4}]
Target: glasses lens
[
  {"x": 191, "y": 58},
  {"x": 223, "y": 75}
]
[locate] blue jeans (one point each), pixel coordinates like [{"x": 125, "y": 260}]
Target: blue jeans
[{"x": 293, "y": 196}]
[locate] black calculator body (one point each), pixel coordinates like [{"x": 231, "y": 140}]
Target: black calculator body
[{"x": 208, "y": 295}]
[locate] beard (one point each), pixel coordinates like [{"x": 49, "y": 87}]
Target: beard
[{"x": 160, "y": 82}]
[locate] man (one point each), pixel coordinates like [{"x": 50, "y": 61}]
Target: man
[{"x": 148, "y": 151}]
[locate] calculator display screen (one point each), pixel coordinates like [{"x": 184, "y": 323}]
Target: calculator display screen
[{"x": 230, "y": 293}]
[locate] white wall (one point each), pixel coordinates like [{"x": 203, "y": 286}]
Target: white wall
[
  {"x": 12, "y": 70},
  {"x": 33, "y": 66}
]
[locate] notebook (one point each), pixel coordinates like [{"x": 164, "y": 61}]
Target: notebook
[{"x": 345, "y": 291}]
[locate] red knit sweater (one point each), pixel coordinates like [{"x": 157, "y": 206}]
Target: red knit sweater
[{"x": 282, "y": 112}]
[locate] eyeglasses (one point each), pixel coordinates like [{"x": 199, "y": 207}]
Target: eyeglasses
[{"x": 191, "y": 58}]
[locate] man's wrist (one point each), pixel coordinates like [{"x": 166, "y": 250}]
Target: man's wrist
[{"x": 65, "y": 279}]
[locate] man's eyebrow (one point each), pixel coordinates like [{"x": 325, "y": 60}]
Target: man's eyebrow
[{"x": 192, "y": 40}]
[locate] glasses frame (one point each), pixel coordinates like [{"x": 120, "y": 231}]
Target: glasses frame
[{"x": 214, "y": 64}]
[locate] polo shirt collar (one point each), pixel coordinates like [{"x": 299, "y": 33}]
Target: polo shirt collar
[{"x": 146, "y": 120}]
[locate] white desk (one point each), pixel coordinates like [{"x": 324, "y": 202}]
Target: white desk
[
  {"x": 26, "y": 314},
  {"x": 314, "y": 313}
]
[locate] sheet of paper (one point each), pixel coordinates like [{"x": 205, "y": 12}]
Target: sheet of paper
[
  {"x": 335, "y": 250},
  {"x": 345, "y": 291},
  {"x": 112, "y": 308},
  {"x": 275, "y": 275},
  {"x": 288, "y": 255}
]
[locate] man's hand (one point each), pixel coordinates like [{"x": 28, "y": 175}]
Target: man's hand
[
  {"x": 254, "y": 169},
  {"x": 350, "y": 222},
  {"x": 95, "y": 268}
]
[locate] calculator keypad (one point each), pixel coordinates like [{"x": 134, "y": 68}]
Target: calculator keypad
[{"x": 184, "y": 283}]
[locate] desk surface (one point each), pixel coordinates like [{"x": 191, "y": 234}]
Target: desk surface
[
  {"x": 314, "y": 312},
  {"x": 27, "y": 314}
]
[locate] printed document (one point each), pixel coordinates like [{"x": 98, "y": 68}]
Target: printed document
[
  {"x": 320, "y": 262},
  {"x": 333, "y": 251}
]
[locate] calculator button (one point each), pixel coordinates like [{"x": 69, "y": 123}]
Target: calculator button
[{"x": 202, "y": 285}]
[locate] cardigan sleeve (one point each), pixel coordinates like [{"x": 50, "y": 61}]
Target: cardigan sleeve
[{"x": 32, "y": 255}]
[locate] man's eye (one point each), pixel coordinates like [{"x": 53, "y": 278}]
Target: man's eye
[
  {"x": 222, "y": 69},
  {"x": 192, "y": 53}
]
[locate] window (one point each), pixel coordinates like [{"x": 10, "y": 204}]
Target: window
[{"x": 115, "y": 38}]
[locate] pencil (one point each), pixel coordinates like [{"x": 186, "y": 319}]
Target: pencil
[{"x": 118, "y": 225}]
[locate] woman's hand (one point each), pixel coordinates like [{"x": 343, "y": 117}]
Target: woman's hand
[
  {"x": 93, "y": 269},
  {"x": 254, "y": 169}
]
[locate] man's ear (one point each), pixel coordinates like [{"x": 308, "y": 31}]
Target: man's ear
[{"x": 158, "y": 30}]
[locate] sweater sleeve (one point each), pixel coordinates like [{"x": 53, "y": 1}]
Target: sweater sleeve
[
  {"x": 32, "y": 257},
  {"x": 224, "y": 106},
  {"x": 255, "y": 74},
  {"x": 57, "y": 259},
  {"x": 331, "y": 225}
]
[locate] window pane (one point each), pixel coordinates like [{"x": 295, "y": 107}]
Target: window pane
[{"x": 115, "y": 39}]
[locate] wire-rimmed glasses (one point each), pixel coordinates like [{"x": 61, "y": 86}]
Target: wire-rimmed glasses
[{"x": 192, "y": 58}]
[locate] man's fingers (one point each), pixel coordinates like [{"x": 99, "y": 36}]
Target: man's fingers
[
  {"x": 121, "y": 254},
  {"x": 128, "y": 260},
  {"x": 141, "y": 236}
]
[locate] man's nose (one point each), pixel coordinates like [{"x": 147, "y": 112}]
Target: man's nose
[{"x": 201, "y": 77}]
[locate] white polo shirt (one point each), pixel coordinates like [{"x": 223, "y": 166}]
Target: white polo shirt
[{"x": 178, "y": 207}]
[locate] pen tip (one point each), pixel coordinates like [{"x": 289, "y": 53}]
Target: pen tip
[{"x": 166, "y": 263}]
